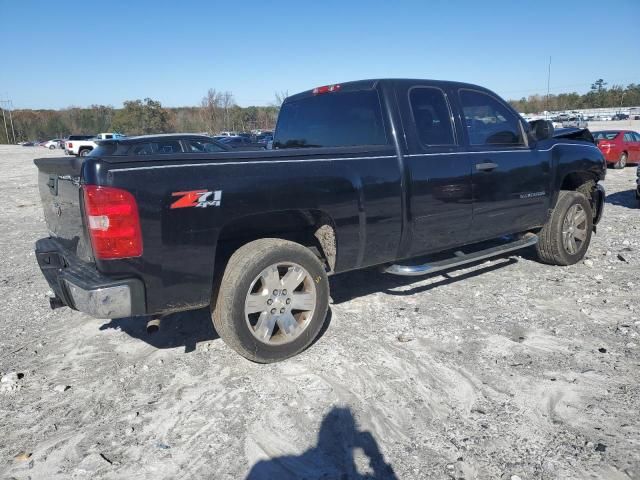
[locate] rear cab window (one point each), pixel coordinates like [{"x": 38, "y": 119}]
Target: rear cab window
[{"x": 335, "y": 119}]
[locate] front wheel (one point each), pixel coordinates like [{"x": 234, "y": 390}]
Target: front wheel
[
  {"x": 565, "y": 238},
  {"x": 52, "y": 147},
  {"x": 272, "y": 300}
]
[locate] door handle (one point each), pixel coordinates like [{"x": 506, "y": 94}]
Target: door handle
[{"x": 486, "y": 166}]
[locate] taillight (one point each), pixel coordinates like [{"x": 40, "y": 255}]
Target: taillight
[
  {"x": 326, "y": 89},
  {"x": 69, "y": 145},
  {"x": 113, "y": 222}
]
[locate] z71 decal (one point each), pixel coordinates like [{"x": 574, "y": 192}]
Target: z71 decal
[{"x": 197, "y": 198}]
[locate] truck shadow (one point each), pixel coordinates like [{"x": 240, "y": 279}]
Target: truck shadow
[
  {"x": 334, "y": 455},
  {"x": 626, "y": 198},
  {"x": 348, "y": 286},
  {"x": 180, "y": 329},
  {"x": 192, "y": 327}
]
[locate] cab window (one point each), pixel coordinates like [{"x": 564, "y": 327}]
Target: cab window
[
  {"x": 431, "y": 116},
  {"x": 488, "y": 121}
]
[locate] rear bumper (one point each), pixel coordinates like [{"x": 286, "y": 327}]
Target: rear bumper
[{"x": 81, "y": 287}]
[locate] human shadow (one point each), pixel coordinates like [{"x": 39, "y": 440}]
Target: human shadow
[
  {"x": 359, "y": 283},
  {"x": 181, "y": 329},
  {"x": 626, "y": 198},
  {"x": 333, "y": 457}
]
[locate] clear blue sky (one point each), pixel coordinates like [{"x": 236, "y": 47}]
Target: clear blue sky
[{"x": 62, "y": 53}]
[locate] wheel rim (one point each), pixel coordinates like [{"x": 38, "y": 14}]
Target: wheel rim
[
  {"x": 280, "y": 303},
  {"x": 574, "y": 229},
  {"x": 623, "y": 160}
]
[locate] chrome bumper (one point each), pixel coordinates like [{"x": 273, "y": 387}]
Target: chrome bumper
[
  {"x": 101, "y": 302},
  {"x": 80, "y": 286}
]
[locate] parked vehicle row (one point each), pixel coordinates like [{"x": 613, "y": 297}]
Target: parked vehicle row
[{"x": 365, "y": 173}]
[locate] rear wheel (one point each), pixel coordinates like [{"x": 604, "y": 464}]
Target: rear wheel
[
  {"x": 85, "y": 152},
  {"x": 565, "y": 238},
  {"x": 52, "y": 147},
  {"x": 622, "y": 162},
  {"x": 272, "y": 300}
]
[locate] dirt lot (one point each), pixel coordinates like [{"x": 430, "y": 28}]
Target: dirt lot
[{"x": 509, "y": 369}]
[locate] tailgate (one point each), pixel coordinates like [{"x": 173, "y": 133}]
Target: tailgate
[{"x": 59, "y": 185}]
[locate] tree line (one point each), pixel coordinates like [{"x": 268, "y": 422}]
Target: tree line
[
  {"x": 217, "y": 112},
  {"x": 599, "y": 96}
]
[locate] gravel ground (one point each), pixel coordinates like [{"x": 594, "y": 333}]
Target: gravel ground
[{"x": 509, "y": 369}]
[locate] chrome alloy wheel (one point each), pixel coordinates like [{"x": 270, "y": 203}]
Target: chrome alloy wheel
[
  {"x": 280, "y": 303},
  {"x": 574, "y": 229}
]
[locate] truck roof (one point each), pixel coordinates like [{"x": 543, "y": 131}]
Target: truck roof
[{"x": 372, "y": 83}]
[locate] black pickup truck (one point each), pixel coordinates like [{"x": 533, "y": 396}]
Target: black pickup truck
[{"x": 365, "y": 173}]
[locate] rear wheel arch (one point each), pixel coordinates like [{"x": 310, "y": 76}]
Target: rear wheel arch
[{"x": 313, "y": 229}]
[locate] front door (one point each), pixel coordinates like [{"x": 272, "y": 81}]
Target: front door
[
  {"x": 511, "y": 181},
  {"x": 439, "y": 191}
]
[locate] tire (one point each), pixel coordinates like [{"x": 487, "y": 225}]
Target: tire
[
  {"x": 242, "y": 319},
  {"x": 52, "y": 147},
  {"x": 622, "y": 162},
  {"x": 552, "y": 245},
  {"x": 84, "y": 152}
]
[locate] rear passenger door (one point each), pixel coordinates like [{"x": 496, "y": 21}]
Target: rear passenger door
[
  {"x": 511, "y": 188},
  {"x": 439, "y": 193}
]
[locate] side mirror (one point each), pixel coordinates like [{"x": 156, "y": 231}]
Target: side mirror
[{"x": 541, "y": 129}]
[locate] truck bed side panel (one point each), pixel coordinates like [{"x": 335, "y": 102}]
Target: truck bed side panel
[{"x": 360, "y": 194}]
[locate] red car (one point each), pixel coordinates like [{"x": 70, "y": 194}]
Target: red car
[{"x": 619, "y": 147}]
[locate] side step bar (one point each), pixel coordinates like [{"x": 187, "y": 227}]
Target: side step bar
[{"x": 461, "y": 258}]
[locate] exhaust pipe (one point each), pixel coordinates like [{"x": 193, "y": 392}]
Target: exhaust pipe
[
  {"x": 153, "y": 325},
  {"x": 56, "y": 302}
]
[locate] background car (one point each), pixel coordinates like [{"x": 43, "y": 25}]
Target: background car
[
  {"x": 620, "y": 116},
  {"x": 53, "y": 144},
  {"x": 619, "y": 147},
  {"x": 575, "y": 122},
  {"x": 242, "y": 143},
  {"x": 264, "y": 138}
]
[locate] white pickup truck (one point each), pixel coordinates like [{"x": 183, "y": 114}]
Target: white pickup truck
[{"x": 81, "y": 145}]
